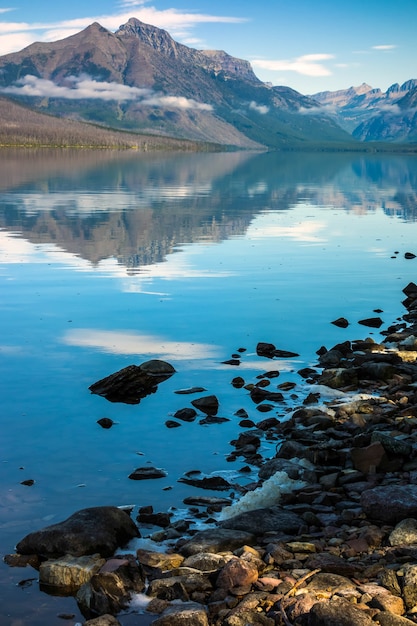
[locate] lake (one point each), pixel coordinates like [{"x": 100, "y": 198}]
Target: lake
[{"x": 114, "y": 258}]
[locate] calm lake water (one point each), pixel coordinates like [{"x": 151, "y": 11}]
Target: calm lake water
[{"x": 108, "y": 259}]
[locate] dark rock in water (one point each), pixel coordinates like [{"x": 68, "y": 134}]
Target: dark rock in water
[
  {"x": 231, "y": 362},
  {"x": 410, "y": 290},
  {"x": 144, "y": 473},
  {"x": 341, "y": 322},
  {"x": 134, "y": 382},
  {"x": 372, "y": 322},
  {"x": 260, "y": 521},
  {"x": 238, "y": 382},
  {"x": 190, "y": 390},
  {"x": 213, "y": 419},
  {"x": 99, "y": 529},
  {"x": 172, "y": 424},
  {"x": 208, "y": 405},
  {"x": 259, "y": 395},
  {"x": 409, "y": 255},
  {"x": 265, "y": 349},
  {"x": 105, "y": 422},
  {"x": 285, "y": 354},
  {"x": 217, "y": 483},
  {"x": 187, "y": 414}
]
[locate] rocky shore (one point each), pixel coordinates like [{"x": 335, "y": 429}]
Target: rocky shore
[{"x": 327, "y": 535}]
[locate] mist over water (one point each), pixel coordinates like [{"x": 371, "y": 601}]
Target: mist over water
[{"x": 113, "y": 258}]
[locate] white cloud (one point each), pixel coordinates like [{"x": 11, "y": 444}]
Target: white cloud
[
  {"x": 308, "y": 65},
  {"x": 81, "y": 87},
  {"x": 260, "y": 108},
  {"x": 384, "y": 47}
]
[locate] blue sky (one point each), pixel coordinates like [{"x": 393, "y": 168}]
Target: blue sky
[{"x": 308, "y": 45}]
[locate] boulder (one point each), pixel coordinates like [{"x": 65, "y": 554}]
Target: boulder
[
  {"x": 134, "y": 382},
  {"x": 215, "y": 540},
  {"x": 183, "y": 614},
  {"x": 99, "y": 530},
  {"x": 263, "y": 520},
  {"x": 391, "y": 503},
  {"x": 69, "y": 572}
]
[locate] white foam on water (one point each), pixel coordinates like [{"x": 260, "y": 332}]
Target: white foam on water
[{"x": 267, "y": 495}]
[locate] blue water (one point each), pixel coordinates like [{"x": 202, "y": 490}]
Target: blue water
[{"x": 108, "y": 259}]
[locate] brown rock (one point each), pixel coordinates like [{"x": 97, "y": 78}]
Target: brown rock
[{"x": 237, "y": 576}]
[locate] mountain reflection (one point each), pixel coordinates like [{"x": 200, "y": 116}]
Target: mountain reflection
[{"x": 138, "y": 208}]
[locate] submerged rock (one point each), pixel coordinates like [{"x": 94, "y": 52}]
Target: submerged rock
[
  {"x": 99, "y": 530},
  {"x": 134, "y": 382}
]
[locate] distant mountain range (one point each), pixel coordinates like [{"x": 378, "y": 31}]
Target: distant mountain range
[
  {"x": 140, "y": 80},
  {"x": 372, "y": 115}
]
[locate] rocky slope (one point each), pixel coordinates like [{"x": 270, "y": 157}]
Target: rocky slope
[{"x": 140, "y": 79}]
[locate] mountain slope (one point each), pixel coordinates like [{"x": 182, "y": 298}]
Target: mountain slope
[
  {"x": 372, "y": 115},
  {"x": 142, "y": 80}
]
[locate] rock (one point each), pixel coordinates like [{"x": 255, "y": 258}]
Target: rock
[
  {"x": 341, "y": 322},
  {"x": 207, "y": 561},
  {"x": 190, "y": 390},
  {"x": 179, "y": 587},
  {"x": 95, "y": 530},
  {"x": 159, "y": 559},
  {"x": 186, "y": 415},
  {"x": 134, "y": 382},
  {"x": 215, "y": 540},
  {"x": 409, "y": 255},
  {"x": 338, "y": 613},
  {"x": 147, "y": 472},
  {"x": 339, "y": 377},
  {"x": 390, "y": 503},
  {"x": 183, "y": 614},
  {"x": 410, "y": 585},
  {"x": 110, "y": 590},
  {"x": 405, "y": 533},
  {"x": 69, "y": 572},
  {"x": 216, "y": 483},
  {"x": 260, "y": 521},
  {"x": 103, "y": 620},
  {"x": 265, "y": 349},
  {"x": 389, "y": 619},
  {"x": 237, "y": 576},
  {"x": 373, "y": 322},
  {"x": 368, "y": 459},
  {"x": 105, "y": 422},
  {"x": 208, "y": 405}
]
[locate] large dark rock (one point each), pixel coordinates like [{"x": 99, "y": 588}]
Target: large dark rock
[
  {"x": 338, "y": 613},
  {"x": 390, "y": 503},
  {"x": 99, "y": 529},
  {"x": 134, "y": 382},
  {"x": 260, "y": 521},
  {"x": 215, "y": 540}
]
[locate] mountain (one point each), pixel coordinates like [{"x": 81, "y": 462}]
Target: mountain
[
  {"x": 372, "y": 115},
  {"x": 139, "y": 79}
]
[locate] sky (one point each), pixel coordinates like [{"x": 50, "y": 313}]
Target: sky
[{"x": 310, "y": 46}]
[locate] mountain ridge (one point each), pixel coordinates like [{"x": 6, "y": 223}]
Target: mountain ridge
[{"x": 168, "y": 89}]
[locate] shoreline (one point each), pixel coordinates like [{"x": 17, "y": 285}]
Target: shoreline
[{"x": 339, "y": 544}]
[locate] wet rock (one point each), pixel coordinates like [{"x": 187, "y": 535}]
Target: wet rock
[
  {"x": 208, "y": 405},
  {"x": 68, "y": 572},
  {"x": 147, "y": 472},
  {"x": 338, "y": 613},
  {"x": 89, "y": 531},
  {"x": 159, "y": 560},
  {"x": 217, "y": 483},
  {"x": 103, "y": 620},
  {"x": 405, "y": 533},
  {"x": 207, "y": 561},
  {"x": 372, "y": 322},
  {"x": 409, "y": 255},
  {"x": 186, "y": 414},
  {"x": 110, "y": 590},
  {"x": 341, "y": 322},
  {"x": 260, "y": 521},
  {"x": 389, "y": 619},
  {"x": 134, "y": 382},
  {"x": 190, "y": 390},
  {"x": 215, "y": 540},
  {"x": 105, "y": 422},
  {"x": 390, "y": 503},
  {"x": 184, "y": 614},
  {"x": 265, "y": 349}
]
